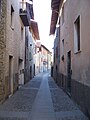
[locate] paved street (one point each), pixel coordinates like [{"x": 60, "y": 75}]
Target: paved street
[{"x": 40, "y": 99}]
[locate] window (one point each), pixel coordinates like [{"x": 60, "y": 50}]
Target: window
[
  {"x": 77, "y": 35},
  {"x": 12, "y": 17},
  {"x": 62, "y": 14}
]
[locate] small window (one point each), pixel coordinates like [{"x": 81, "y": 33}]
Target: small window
[
  {"x": 77, "y": 35},
  {"x": 12, "y": 17},
  {"x": 62, "y": 14}
]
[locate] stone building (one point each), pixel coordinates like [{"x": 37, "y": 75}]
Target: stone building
[
  {"x": 12, "y": 39},
  {"x": 45, "y": 59},
  {"x": 73, "y": 19},
  {"x": 56, "y": 56},
  {"x": 15, "y": 28},
  {"x": 37, "y": 57},
  {"x": 3, "y": 4},
  {"x": 32, "y": 35}
]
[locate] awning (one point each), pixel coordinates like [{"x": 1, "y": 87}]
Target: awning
[
  {"x": 34, "y": 27},
  {"x": 55, "y": 5},
  {"x": 54, "y": 18}
]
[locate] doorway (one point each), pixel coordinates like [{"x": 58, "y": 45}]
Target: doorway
[
  {"x": 30, "y": 72},
  {"x": 10, "y": 75},
  {"x": 34, "y": 69},
  {"x": 21, "y": 72},
  {"x": 69, "y": 71}
]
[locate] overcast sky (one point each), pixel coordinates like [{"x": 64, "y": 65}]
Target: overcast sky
[{"x": 42, "y": 14}]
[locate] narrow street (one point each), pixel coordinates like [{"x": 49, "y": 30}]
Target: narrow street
[{"x": 40, "y": 99}]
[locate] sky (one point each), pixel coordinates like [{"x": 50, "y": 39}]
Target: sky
[{"x": 42, "y": 14}]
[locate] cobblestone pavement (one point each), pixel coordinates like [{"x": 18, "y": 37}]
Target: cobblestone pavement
[
  {"x": 64, "y": 107},
  {"x": 19, "y": 106}
]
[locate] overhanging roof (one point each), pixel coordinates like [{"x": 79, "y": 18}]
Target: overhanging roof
[
  {"x": 46, "y": 49},
  {"x": 34, "y": 27},
  {"x": 55, "y": 4},
  {"x": 30, "y": 10},
  {"x": 54, "y": 18}
]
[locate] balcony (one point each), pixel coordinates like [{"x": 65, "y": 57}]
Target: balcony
[{"x": 25, "y": 13}]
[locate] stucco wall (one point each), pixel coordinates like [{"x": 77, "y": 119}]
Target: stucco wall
[{"x": 80, "y": 62}]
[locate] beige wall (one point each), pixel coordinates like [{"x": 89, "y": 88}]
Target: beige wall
[
  {"x": 78, "y": 84},
  {"x": 80, "y": 61}
]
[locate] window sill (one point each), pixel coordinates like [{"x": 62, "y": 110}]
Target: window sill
[
  {"x": 12, "y": 27},
  {"x": 77, "y": 52}
]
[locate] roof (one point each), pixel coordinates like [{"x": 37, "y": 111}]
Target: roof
[
  {"x": 30, "y": 10},
  {"x": 34, "y": 26},
  {"x": 46, "y": 48},
  {"x": 55, "y": 5}
]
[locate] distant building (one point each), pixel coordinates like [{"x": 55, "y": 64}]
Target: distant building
[
  {"x": 45, "y": 59},
  {"x": 73, "y": 72},
  {"x": 37, "y": 57},
  {"x": 32, "y": 35}
]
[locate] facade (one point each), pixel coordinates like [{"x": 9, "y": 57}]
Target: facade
[
  {"x": 33, "y": 48},
  {"x": 10, "y": 52},
  {"x": 37, "y": 57},
  {"x": 45, "y": 59},
  {"x": 17, "y": 30},
  {"x": 31, "y": 54},
  {"x": 73, "y": 18},
  {"x": 13, "y": 57}
]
